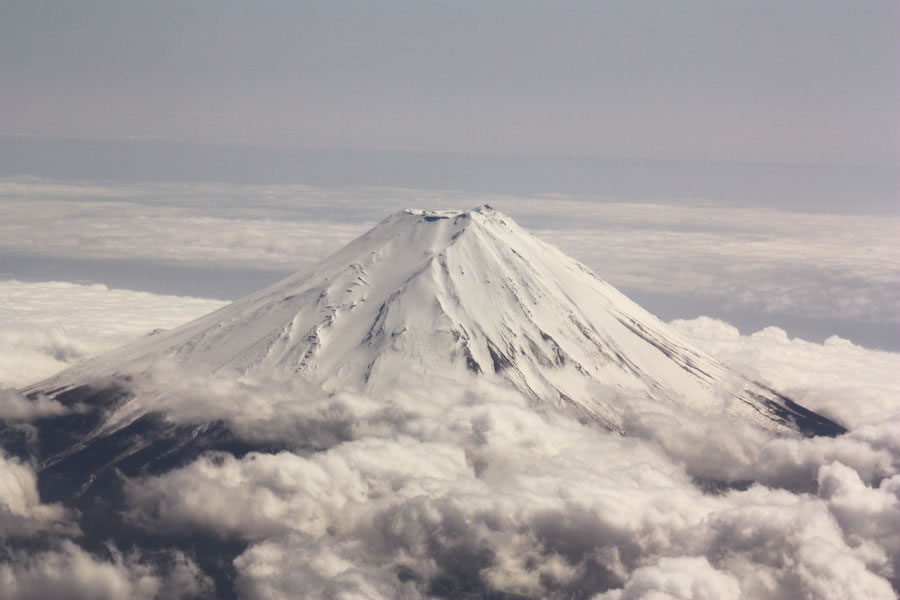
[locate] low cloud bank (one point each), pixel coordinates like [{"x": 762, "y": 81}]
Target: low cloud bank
[
  {"x": 40, "y": 559},
  {"x": 69, "y": 572},
  {"x": 472, "y": 492},
  {"x": 48, "y": 326},
  {"x": 456, "y": 492},
  {"x": 489, "y": 497},
  {"x": 849, "y": 383},
  {"x": 827, "y": 266}
]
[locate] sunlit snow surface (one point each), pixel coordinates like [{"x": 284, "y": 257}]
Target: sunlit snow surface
[{"x": 443, "y": 297}]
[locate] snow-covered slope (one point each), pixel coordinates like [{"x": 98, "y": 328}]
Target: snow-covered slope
[{"x": 456, "y": 295}]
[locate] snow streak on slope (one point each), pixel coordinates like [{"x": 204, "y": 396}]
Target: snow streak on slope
[{"x": 427, "y": 297}]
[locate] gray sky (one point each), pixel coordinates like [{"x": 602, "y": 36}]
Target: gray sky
[{"x": 764, "y": 81}]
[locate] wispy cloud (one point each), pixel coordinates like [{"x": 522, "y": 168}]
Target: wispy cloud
[{"x": 21, "y": 511}]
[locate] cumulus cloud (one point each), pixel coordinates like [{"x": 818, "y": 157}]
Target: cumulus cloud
[
  {"x": 48, "y": 326},
  {"x": 256, "y": 496},
  {"x": 21, "y": 511},
  {"x": 484, "y": 495},
  {"x": 854, "y": 385},
  {"x": 684, "y": 578},
  {"x": 511, "y": 514},
  {"x": 437, "y": 500},
  {"x": 61, "y": 568},
  {"x": 262, "y": 408},
  {"x": 717, "y": 449},
  {"x": 471, "y": 491},
  {"x": 69, "y": 572},
  {"x": 866, "y": 513}
]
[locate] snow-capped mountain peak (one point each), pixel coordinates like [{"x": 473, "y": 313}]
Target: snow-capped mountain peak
[{"x": 427, "y": 296}]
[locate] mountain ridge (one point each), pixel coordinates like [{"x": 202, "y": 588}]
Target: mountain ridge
[{"x": 430, "y": 296}]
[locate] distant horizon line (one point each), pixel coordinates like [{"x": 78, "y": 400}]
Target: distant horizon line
[{"x": 251, "y": 145}]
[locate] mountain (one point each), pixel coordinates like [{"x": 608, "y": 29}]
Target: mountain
[
  {"x": 449, "y": 296},
  {"x": 425, "y": 301}
]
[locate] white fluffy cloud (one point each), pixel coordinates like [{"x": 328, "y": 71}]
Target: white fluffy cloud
[
  {"x": 46, "y": 327},
  {"x": 684, "y": 578},
  {"x": 21, "y": 511},
  {"x": 488, "y": 496},
  {"x": 65, "y": 570},
  {"x": 854, "y": 385},
  {"x": 471, "y": 491},
  {"x": 868, "y": 513},
  {"x": 69, "y": 572}
]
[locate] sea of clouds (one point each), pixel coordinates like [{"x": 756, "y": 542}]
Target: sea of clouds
[
  {"x": 761, "y": 259},
  {"x": 452, "y": 492},
  {"x": 48, "y": 326}
]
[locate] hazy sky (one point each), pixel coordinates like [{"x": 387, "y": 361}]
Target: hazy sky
[
  {"x": 124, "y": 108},
  {"x": 764, "y": 81}
]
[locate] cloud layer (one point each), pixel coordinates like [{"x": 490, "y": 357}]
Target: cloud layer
[
  {"x": 476, "y": 493},
  {"x": 854, "y": 385},
  {"x": 48, "y": 326},
  {"x": 69, "y": 572},
  {"x": 452, "y": 492},
  {"x": 473, "y": 492},
  {"x": 758, "y": 259}
]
